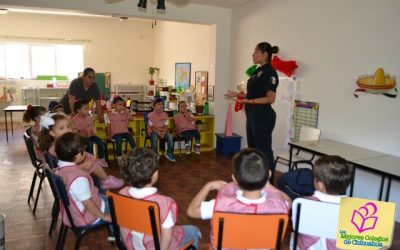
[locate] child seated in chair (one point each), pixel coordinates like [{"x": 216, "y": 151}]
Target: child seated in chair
[
  {"x": 158, "y": 128},
  {"x": 117, "y": 128},
  {"x": 88, "y": 207},
  {"x": 332, "y": 176},
  {"x": 186, "y": 127},
  {"x": 33, "y": 113},
  {"x": 84, "y": 125},
  {"x": 53, "y": 126},
  {"x": 249, "y": 193},
  {"x": 140, "y": 170}
]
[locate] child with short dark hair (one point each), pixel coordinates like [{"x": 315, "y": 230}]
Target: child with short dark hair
[
  {"x": 118, "y": 121},
  {"x": 33, "y": 113},
  {"x": 56, "y": 107},
  {"x": 84, "y": 125},
  {"x": 158, "y": 128},
  {"x": 249, "y": 193},
  {"x": 332, "y": 176},
  {"x": 88, "y": 206},
  {"x": 186, "y": 127},
  {"x": 140, "y": 170}
]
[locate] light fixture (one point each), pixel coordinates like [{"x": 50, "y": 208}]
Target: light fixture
[
  {"x": 142, "y": 4},
  {"x": 3, "y": 11},
  {"x": 160, "y": 4}
]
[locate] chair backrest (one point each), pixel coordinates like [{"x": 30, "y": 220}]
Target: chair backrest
[
  {"x": 31, "y": 148},
  {"x": 58, "y": 184},
  {"x": 309, "y": 134},
  {"x": 233, "y": 230},
  {"x": 315, "y": 218},
  {"x": 50, "y": 160},
  {"x": 51, "y": 182},
  {"x": 136, "y": 215}
]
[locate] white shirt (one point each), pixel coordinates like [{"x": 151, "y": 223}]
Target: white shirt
[
  {"x": 140, "y": 193},
  {"x": 79, "y": 189},
  {"x": 207, "y": 207}
]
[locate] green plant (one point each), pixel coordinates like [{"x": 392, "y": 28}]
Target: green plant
[{"x": 152, "y": 71}]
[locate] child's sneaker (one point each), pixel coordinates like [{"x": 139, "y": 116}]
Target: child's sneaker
[
  {"x": 103, "y": 163},
  {"x": 112, "y": 182},
  {"x": 197, "y": 149},
  {"x": 188, "y": 150},
  {"x": 169, "y": 156}
]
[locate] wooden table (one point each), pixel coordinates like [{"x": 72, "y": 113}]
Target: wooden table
[{"x": 10, "y": 109}]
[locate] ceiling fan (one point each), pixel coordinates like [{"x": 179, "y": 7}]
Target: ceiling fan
[{"x": 160, "y": 3}]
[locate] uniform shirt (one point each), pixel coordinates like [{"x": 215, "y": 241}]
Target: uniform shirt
[
  {"x": 207, "y": 207},
  {"x": 80, "y": 190},
  {"x": 157, "y": 120},
  {"x": 118, "y": 122},
  {"x": 83, "y": 124},
  {"x": 77, "y": 89},
  {"x": 182, "y": 123},
  {"x": 140, "y": 193},
  {"x": 263, "y": 80}
]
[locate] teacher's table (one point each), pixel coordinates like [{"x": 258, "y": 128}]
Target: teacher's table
[
  {"x": 349, "y": 152},
  {"x": 10, "y": 109}
]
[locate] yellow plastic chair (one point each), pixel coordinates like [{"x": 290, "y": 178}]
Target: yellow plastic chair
[
  {"x": 136, "y": 215},
  {"x": 248, "y": 231}
]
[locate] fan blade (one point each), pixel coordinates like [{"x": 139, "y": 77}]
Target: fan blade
[
  {"x": 112, "y": 1},
  {"x": 178, "y": 3}
]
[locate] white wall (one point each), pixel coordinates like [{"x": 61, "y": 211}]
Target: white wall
[
  {"x": 181, "y": 42},
  {"x": 333, "y": 42}
]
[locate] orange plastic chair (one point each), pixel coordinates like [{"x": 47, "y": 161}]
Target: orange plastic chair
[
  {"x": 244, "y": 231},
  {"x": 136, "y": 215}
]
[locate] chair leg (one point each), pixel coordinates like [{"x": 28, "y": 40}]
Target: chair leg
[
  {"x": 55, "y": 212},
  {"x": 32, "y": 187},
  {"x": 78, "y": 241},
  {"x": 38, "y": 194},
  {"x": 61, "y": 237}
]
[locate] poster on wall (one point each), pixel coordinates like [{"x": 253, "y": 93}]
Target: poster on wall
[
  {"x": 201, "y": 82},
  {"x": 182, "y": 75}
]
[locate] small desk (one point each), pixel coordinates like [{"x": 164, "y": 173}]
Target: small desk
[
  {"x": 10, "y": 109},
  {"x": 386, "y": 166},
  {"x": 349, "y": 152}
]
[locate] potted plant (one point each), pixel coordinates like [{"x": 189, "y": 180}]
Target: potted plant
[{"x": 152, "y": 71}]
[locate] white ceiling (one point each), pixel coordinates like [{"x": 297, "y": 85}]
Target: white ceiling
[{"x": 221, "y": 3}]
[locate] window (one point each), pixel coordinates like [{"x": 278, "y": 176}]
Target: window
[{"x": 26, "y": 61}]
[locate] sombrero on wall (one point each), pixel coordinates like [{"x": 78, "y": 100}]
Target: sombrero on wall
[{"x": 379, "y": 83}]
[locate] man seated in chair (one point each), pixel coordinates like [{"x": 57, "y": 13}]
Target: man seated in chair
[
  {"x": 140, "y": 170},
  {"x": 249, "y": 193},
  {"x": 332, "y": 176}
]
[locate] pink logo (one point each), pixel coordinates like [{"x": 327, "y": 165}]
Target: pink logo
[{"x": 363, "y": 218}]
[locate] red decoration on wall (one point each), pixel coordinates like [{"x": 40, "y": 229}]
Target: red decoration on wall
[{"x": 286, "y": 67}]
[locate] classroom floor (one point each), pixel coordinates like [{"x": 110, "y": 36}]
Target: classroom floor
[{"x": 180, "y": 180}]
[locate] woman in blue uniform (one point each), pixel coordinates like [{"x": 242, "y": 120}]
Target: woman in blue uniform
[{"x": 261, "y": 93}]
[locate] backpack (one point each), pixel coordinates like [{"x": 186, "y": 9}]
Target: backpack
[{"x": 297, "y": 183}]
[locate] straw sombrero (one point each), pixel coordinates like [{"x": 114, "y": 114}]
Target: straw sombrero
[{"x": 378, "y": 81}]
